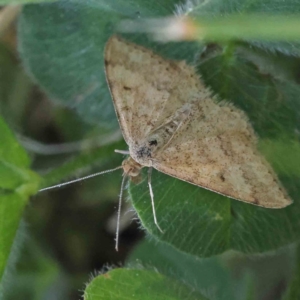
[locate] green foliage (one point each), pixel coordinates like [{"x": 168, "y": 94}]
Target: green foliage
[
  {"x": 16, "y": 185},
  {"x": 229, "y": 276},
  {"x": 207, "y": 276},
  {"x": 61, "y": 46},
  {"x": 137, "y": 284}
]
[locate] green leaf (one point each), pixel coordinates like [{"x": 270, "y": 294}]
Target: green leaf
[
  {"x": 67, "y": 60},
  {"x": 220, "y": 8},
  {"x": 207, "y": 276},
  {"x": 10, "y": 150},
  {"x": 17, "y": 184},
  {"x": 137, "y": 284},
  {"x": 194, "y": 220},
  {"x": 65, "y": 55},
  {"x": 228, "y": 276},
  {"x": 11, "y": 176}
]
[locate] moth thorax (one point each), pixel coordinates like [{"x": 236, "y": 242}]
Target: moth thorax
[{"x": 131, "y": 167}]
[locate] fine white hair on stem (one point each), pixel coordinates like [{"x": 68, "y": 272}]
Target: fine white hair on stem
[
  {"x": 187, "y": 7},
  {"x": 119, "y": 211},
  {"x": 152, "y": 198},
  {"x": 79, "y": 179}
]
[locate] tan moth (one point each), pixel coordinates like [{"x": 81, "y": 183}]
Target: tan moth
[{"x": 171, "y": 122}]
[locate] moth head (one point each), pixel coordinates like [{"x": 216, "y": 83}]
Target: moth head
[{"x": 131, "y": 167}]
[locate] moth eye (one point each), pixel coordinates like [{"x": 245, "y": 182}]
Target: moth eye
[{"x": 153, "y": 143}]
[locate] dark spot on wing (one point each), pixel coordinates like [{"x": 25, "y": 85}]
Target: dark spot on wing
[
  {"x": 153, "y": 143},
  {"x": 222, "y": 177}
]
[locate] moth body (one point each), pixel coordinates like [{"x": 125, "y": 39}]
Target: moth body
[{"x": 145, "y": 152}]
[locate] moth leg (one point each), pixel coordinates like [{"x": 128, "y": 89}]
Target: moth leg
[
  {"x": 125, "y": 176},
  {"x": 152, "y": 199}
]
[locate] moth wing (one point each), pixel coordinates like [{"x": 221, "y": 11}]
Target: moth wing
[
  {"x": 218, "y": 152},
  {"x": 146, "y": 89}
]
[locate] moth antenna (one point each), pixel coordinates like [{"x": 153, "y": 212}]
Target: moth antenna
[
  {"x": 119, "y": 211},
  {"x": 79, "y": 179},
  {"x": 152, "y": 199},
  {"x": 126, "y": 152}
]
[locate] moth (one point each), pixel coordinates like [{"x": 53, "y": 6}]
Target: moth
[{"x": 172, "y": 122}]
